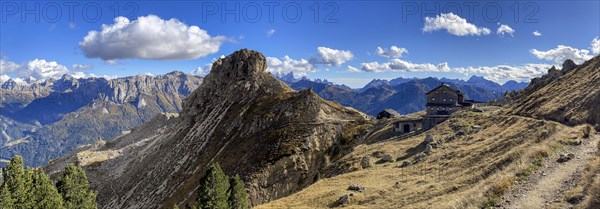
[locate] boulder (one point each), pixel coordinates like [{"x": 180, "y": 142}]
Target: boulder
[
  {"x": 419, "y": 157},
  {"x": 428, "y": 149},
  {"x": 343, "y": 200},
  {"x": 387, "y": 158},
  {"x": 365, "y": 162},
  {"x": 404, "y": 164},
  {"x": 428, "y": 139},
  {"x": 377, "y": 154},
  {"x": 565, "y": 157},
  {"x": 356, "y": 187}
]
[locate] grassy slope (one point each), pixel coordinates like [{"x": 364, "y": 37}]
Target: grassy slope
[{"x": 469, "y": 172}]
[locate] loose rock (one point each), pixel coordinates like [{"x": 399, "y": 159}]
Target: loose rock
[
  {"x": 387, "y": 158},
  {"x": 356, "y": 187},
  {"x": 343, "y": 200},
  {"x": 365, "y": 162}
]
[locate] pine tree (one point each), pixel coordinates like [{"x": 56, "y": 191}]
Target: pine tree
[
  {"x": 238, "y": 197},
  {"x": 18, "y": 182},
  {"x": 6, "y": 200},
  {"x": 45, "y": 193},
  {"x": 212, "y": 193},
  {"x": 75, "y": 189}
]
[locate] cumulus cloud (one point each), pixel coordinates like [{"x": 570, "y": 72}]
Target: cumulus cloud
[
  {"x": 596, "y": 46},
  {"x": 537, "y": 33},
  {"x": 398, "y": 65},
  {"x": 107, "y": 77},
  {"x": 454, "y": 24},
  {"x": 42, "y": 69},
  {"x": 332, "y": 57},
  {"x": 503, "y": 73},
  {"x": 149, "y": 37},
  {"x": 561, "y": 53},
  {"x": 286, "y": 65},
  {"x": 499, "y": 73},
  {"x": 78, "y": 75},
  {"x": 505, "y": 29},
  {"x": 81, "y": 66},
  {"x": 270, "y": 32},
  {"x": 392, "y": 52},
  {"x": 8, "y": 66}
]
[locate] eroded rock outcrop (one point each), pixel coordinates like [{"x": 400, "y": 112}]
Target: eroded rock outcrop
[{"x": 254, "y": 125}]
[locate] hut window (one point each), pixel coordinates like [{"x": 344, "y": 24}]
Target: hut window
[
  {"x": 444, "y": 99},
  {"x": 433, "y": 99}
]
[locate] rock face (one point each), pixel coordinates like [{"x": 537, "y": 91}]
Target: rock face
[
  {"x": 570, "y": 96},
  {"x": 254, "y": 125},
  {"x": 56, "y": 116}
]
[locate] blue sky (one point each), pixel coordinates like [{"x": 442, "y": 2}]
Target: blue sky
[{"x": 337, "y": 41}]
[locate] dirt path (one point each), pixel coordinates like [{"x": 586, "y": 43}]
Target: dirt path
[{"x": 546, "y": 187}]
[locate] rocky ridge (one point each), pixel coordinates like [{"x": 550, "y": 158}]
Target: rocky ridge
[{"x": 251, "y": 123}]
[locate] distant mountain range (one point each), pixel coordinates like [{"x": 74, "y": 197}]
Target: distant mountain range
[
  {"x": 405, "y": 95},
  {"x": 43, "y": 120}
]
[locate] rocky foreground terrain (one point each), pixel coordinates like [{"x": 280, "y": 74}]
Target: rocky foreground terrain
[
  {"x": 276, "y": 139},
  {"x": 42, "y": 121}
]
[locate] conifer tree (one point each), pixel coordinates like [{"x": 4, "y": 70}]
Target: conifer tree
[
  {"x": 45, "y": 193},
  {"x": 18, "y": 182},
  {"x": 75, "y": 189},
  {"x": 212, "y": 193},
  {"x": 238, "y": 197},
  {"x": 6, "y": 200}
]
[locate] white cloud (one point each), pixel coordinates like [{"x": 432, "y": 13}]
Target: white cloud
[
  {"x": 270, "y": 32},
  {"x": 505, "y": 29},
  {"x": 3, "y": 78},
  {"x": 107, "y": 77},
  {"x": 503, "y": 73},
  {"x": 286, "y": 65},
  {"x": 7, "y": 66},
  {"x": 78, "y": 75},
  {"x": 398, "y": 65},
  {"x": 596, "y": 46},
  {"x": 81, "y": 66},
  {"x": 537, "y": 33},
  {"x": 332, "y": 57},
  {"x": 42, "y": 69},
  {"x": 353, "y": 69},
  {"x": 561, "y": 53},
  {"x": 499, "y": 73},
  {"x": 392, "y": 52},
  {"x": 454, "y": 24},
  {"x": 149, "y": 37},
  {"x": 111, "y": 62}
]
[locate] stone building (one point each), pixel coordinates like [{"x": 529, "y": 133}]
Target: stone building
[
  {"x": 442, "y": 101},
  {"x": 387, "y": 113},
  {"x": 408, "y": 125}
]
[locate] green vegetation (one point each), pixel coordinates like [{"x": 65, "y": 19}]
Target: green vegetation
[
  {"x": 220, "y": 191},
  {"x": 75, "y": 189},
  {"x": 28, "y": 188},
  {"x": 238, "y": 198}
]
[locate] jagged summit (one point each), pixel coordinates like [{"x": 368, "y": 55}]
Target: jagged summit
[{"x": 237, "y": 77}]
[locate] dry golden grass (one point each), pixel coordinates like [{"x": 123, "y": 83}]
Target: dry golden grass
[{"x": 470, "y": 171}]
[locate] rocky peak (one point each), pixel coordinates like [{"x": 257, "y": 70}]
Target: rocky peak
[
  {"x": 241, "y": 76},
  {"x": 568, "y": 65}
]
